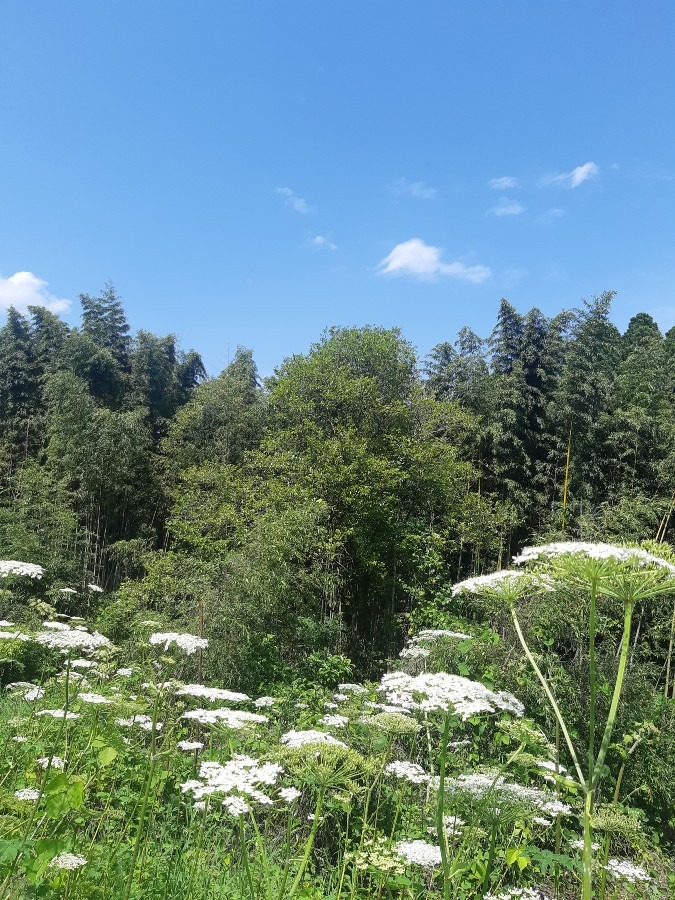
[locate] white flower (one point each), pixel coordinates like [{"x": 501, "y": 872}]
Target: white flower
[
  {"x": 55, "y": 761},
  {"x": 624, "y": 868},
  {"x": 414, "y": 653},
  {"x": 419, "y": 852},
  {"x": 335, "y": 721},
  {"x": 93, "y": 698},
  {"x": 495, "y": 581},
  {"x": 409, "y": 770},
  {"x": 593, "y": 551},
  {"x": 81, "y": 664},
  {"x": 579, "y": 845},
  {"x": 124, "y": 673},
  {"x": 14, "y": 567},
  {"x": 294, "y": 739},
  {"x": 188, "y": 643},
  {"x": 5, "y": 624},
  {"x": 551, "y": 766},
  {"x": 68, "y": 861},
  {"x": 56, "y": 626},
  {"x": 20, "y": 739},
  {"x": 520, "y": 893},
  {"x": 442, "y": 691},
  {"x": 95, "y": 588},
  {"x": 14, "y": 636},
  {"x": 69, "y": 640},
  {"x": 190, "y": 745},
  {"x": 241, "y": 775},
  {"x": 211, "y": 693},
  {"x": 262, "y": 702},
  {"x": 141, "y": 720},
  {"x": 58, "y": 714},
  {"x": 340, "y": 697},
  {"x": 27, "y": 794},
  {"x": 330, "y": 705},
  {"x": 352, "y": 689},
  {"x": 435, "y": 634},
  {"x": 229, "y": 718},
  {"x": 289, "y": 794},
  {"x": 30, "y": 691},
  {"x": 235, "y": 806},
  {"x": 67, "y": 591}
]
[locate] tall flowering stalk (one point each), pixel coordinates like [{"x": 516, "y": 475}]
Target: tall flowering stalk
[{"x": 625, "y": 574}]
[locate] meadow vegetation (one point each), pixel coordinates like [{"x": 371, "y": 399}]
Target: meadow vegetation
[{"x": 358, "y": 631}]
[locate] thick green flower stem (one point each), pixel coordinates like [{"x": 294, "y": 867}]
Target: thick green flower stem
[
  {"x": 440, "y": 824},
  {"x": 616, "y": 696},
  {"x": 263, "y": 856},
  {"x": 309, "y": 844},
  {"x": 551, "y": 698},
  {"x": 592, "y": 678},
  {"x": 587, "y": 893}
]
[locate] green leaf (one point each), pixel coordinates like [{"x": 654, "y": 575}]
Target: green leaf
[{"x": 106, "y": 756}]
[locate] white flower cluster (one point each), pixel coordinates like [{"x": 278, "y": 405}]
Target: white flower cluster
[
  {"x": 54, "y": 761},
  {"x": 141, "y": 720},
  {"x": 414, "y": 653},
  {"x": 27, "y": 794},
  {"x": 56, "y": 626},
  {"x": 352, "y": 689},
  {"x": 81, "y": 664},
  {"x": 228, "y": 718},
  {"x": 95, "y": 588},
  {"x": 93, "y": 698},
  {"x": 481, "y": 784},
  {"x": 579, "y": 845},
  {"x": 335, "y": 721},
  {"x": 436, "y": 634},
  {"x": 289, "y": 794},
  {"x": 211, "y": 693},
  {"x": 58, "y": 714},
  {"x": 30, "y": 691},
  {"x": 520, "y": 893},
  {"x": 295, "y": 739},
  {"x": 5, "y": 624},
  {"x": 241, "y": 775},
  {"x": 14, "y": 567},
  {"x": 504, "y": 579},
  {"x": 68, "y": 861},
  {"x": 628, "y": 871},
  {"x": 67, "y": 591},
  {"x": 70, "y": 640},
  {"x": 188, "y": 643},
  {"x": 14, "y": 636},
  {"x": 419, "y": 852},
  {"x": 593, "y": 551},
  {"x": 263, "y": 702},
  {"x": 190, "y": 745},
  {"x": 409, "y": 770},
  {"x": 441, "y": 692}
]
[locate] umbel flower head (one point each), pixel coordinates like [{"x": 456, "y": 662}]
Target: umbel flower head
[
  {"x": 188, "y": 643},
  {"x": 65, "y": 641},
  {"x": 442, "y": 692},
  {"x": 14, "y": 567}
]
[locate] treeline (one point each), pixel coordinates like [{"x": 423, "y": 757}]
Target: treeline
[{"x": 310, "y": 514}]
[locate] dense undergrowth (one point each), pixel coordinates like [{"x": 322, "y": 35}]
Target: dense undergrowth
[{"x": 123, "y": 776}]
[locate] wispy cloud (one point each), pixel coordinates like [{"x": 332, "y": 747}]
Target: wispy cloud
[
  {"x": 575, "y": 178},
  {"x": 507, "y": 207},
  {"x": 298, "y": 204},
  {"x": 321, "y": 242},
  {"x": 417, "y": 189},
  {"x": 423, "y": 261},
  {"x": 505, "y": 183},
  {"x": 23, "y": 289}
]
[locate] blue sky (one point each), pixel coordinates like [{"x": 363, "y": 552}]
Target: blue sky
[{"x": 251, "y": 172}]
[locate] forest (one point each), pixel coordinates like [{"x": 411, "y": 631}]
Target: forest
[{"x": 337, "y": 541}]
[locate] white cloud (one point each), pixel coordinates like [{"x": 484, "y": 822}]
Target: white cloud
[
  {"x": 423, "y": 261},
  {"x": 574, "y": 178},
  {"x": 507, "y": 207},
  {"x": 505, "y": 183},
  {"x": 23, "y": 289},
  {"x": 417, "y": 189},
  {"x": 296, "y": 203},
  {"x": 321, "y": 243}
]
